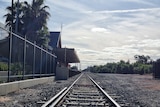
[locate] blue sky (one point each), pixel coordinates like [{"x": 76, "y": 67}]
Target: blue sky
[{"x": 104, "y": 31}]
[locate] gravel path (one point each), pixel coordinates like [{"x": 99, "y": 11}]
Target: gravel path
[{"x": 137, "y": 90}]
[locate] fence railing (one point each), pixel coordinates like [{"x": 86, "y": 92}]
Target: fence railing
[{"x": 24, "y": 59}]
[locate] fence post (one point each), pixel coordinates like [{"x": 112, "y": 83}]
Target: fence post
[
  {"x": 50, "y": 59},
  {"x": 55, "y": 65},
  {"x": 24, "y": 57},
  {"x": 34, "y": 58},
  {"x": 52, "y": 69},
  {"x": 10, "y": 54},
  {"x": 46, "y": 61},
  {"x": 41, "y": 61}
]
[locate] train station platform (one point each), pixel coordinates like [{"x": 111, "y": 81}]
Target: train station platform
[{"x": 6, "y": 88}]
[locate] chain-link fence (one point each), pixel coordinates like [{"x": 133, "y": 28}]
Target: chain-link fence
[{"x": 22, "y": 59}]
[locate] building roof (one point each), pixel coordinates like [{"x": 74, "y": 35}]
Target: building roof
[
  {"x": 66, "y": 55},
  {"x": 55, "y": 39}
]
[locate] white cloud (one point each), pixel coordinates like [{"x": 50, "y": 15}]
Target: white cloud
[
  {"x": 69, "y": 5},
  {"x": 5, "y": 1},
  {"x": 128, "y": 37},
  {"x": 131, "y": 32},
  {"x": 141, "y": 2},
  {"x": 127, "y": 11},
  {"x": 106, "y": 34},
  {"x": 103, "y": 30}
]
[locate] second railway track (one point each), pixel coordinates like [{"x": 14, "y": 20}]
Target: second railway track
[{"x": 84, "y": 92}]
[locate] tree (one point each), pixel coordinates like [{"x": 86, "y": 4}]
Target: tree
[
  {"x": 32, "y": 20},
  {"x": 142, "y": 59},
  {"x": 123, "y": 67},
  {"x": 35, "y": 17},
  {"x": 13, "y": 16}
]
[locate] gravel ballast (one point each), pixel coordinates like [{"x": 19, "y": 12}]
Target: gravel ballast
[
  {"x": 136, "y": 90},
  {"x": 34, "y": 96}
]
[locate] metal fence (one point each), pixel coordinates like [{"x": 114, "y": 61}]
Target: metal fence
[{"x": 24, "y": 59}]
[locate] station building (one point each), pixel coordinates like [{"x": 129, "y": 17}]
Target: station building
[{"x": 60, "y": 67}]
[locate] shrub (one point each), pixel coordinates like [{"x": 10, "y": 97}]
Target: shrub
[
  {"x": 3, "y": 66},
  {"x": 16, "y": 68}
]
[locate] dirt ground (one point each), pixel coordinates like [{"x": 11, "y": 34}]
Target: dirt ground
[{"x": 135, "y": 90}]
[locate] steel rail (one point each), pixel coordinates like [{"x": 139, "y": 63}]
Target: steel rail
[
  {"x": 53, "y": 98},
  {"x": 54, "y": 101},
  {"x": 58, "y": 97},
  {"x": 106, "y": 95}
]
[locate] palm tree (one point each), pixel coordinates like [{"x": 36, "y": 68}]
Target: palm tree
[
  {"x": 35, "y": 19},
  {"x": 11, "y": 20},
  {"x": 32, "y": 20},
  {"x": 13, "y": 16}
]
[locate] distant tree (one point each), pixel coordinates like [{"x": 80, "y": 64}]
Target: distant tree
[
  {"x": 123, "y": 67},
  {"x": 142, "y": 59}
]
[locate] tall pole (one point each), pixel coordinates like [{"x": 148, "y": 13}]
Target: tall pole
[
  {"x": 24, "y": 57},
  {"x": 10, "y": 46},
  {"x": 61, "y": 27},
  {"x": 10, "y": 54},
  {"x": 65, "y": 57},
  {"x": 12, "y": 14}
]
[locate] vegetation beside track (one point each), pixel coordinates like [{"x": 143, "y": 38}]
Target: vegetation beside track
[{"x": 143, "y": 65}]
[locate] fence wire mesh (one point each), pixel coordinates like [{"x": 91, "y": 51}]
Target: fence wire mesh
[{"x": 22, "y": 59}]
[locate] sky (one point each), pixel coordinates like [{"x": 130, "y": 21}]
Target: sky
[{"x": 103, "y": 31}]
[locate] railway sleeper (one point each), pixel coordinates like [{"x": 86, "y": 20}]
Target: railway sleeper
[
  {"x": 82, "y": 96},
  {"x": 87, "y": 94},
  {"x": 92, "y": 104},
  {"x": 84, "y": 100},
  {"x": 84, "y": 91},
  {"x": 84, "y": 85}
]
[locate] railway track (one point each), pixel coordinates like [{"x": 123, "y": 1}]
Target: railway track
[{"x": 84, "y": 92}]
